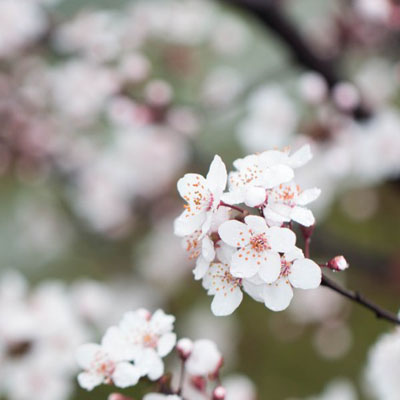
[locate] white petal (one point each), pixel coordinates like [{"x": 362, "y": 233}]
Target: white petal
[
  {"x": 234, "y": 233},
  {"x": 281, "y": 239},
  {"x": 277, "y": 174},
  {"x": 86, "y": 353},
  {"x": 226, "y": 303},
  {"x": 272, "y": 217},
  {"x": 201, "y": 269},
  {"x": 217, "y": 176},
  {"x": 303, "y": 216},
  {"x": 244, "y": 265},
  {"x": 269, "y": 270},
  {"x": 256, "y": 224},
  {"x": 187, "y": 223},
  {"x": 294, "y": 254},
  {"x": 207, "y": 248},
  {"x": 253, "y": 290},
  {"x": 150, "y": 364},
  {"x": 190, "y": 185},
  {"x": 308, "y": 196},
  {"x": 115, "y": 344},
  {"x": 206, "y": 226},
  {"x": 225, "y": 252},
  {"x": 277, "y": 296},
  {"x": 233, "y": 197},
  {"x": 300, "y": 157},
  {"x": 125, "y": 375},
  {"x": 305, "y": 274},
  {"x": 282, "y": 210},
  {"x": 89, "y": 381},
  {"x": 166, "y": 344},
  {"x": 254, "y": 196}
]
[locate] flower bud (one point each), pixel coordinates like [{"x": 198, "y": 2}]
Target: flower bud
[
  {"x": 338, "y": 263},
  {"x": 219, "y": 393},
  {"x": 184, "y": 348},
  {"x": 118, "y": 396}
]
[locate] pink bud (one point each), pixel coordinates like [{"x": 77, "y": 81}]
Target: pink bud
[
  {"x": 118, "y": 396},
  {"x": 184, "y": 348},
  {"x": 219, "y": 393},
  {"x": 338, "y": 263}
]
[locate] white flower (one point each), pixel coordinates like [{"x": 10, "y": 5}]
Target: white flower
[
  {"x": 202, "y": 248},
  {"x": 256, "y": 173},
  {"x": 286, "y": 203},
  {"x": 296, "y": 271},
  {"x": 220, "y": 283},
  {"x": 205, "y": 358},
  {"x": 203, "y": 198},
  {"x": 383, "y": 367},
  {"x": 258, "y": 247},
  {"x": 105, "y": 363},
  {"x": 148, "y": 338}
]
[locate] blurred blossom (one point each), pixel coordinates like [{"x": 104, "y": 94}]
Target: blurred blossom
[
  {"x": 163, "y": 262},
  {"x": 316, "y": 306},
  {"x": 221, "y": 87},
  {"x": 38, "y": 333},
  {"x": 333, "y": 340},
  {"x": 382, "y": 369},
  {"x": 200, "y": 323},
  {"x": 270, "y": 122},
  {"x": 21, "y": 23},
  {"x": 341, "y": 389},
  {"x": 239, "y": 387}
]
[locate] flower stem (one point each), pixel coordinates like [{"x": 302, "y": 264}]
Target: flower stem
[
  {"x": 241, "y": 210},
  {"x": 360, "y": 299}
]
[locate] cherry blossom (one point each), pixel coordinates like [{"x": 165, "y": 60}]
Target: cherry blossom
[
  {"x": 203, "y": 198},
  {"x": 296, "y": 271},
  {"x": 105, "y": 363},
  {"x": 200, "y": 248},
  {"x": 205, "y": 358},
  {"x": 258, "y": 247},
  {"x": 148, "y": 338},
  {"x": 286, "y": 202},
  {"x": 220, "y": 283},
  {"x": 255, "y": 173}
]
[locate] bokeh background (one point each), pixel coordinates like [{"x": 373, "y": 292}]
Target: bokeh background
[{"x": 105, "y": 104}]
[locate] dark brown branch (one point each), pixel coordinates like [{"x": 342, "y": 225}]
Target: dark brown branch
[
  {"x": 358, "y": 298},
  {"x": 271, "y": 16}
]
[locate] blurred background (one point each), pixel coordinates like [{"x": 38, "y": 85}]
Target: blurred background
[{"x": 105, "y": 104}]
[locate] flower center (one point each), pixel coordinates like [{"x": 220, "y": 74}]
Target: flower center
[
  {"x": 150, "y": 340},
  {"x": 104, "y": 366},
  {"x": 287, "y": 194},
  {"x": 285, "y": 266},
  {"x": 259, "y": 243}
]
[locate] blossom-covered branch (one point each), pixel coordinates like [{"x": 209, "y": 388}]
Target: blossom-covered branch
[
  {"x": 270, "y": 15},
  {"x": 360, "y": 299}
]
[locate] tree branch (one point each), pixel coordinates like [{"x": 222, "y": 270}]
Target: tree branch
[
  {"x": 271, "y": 16},
  {"x": 358, "y": 298}
]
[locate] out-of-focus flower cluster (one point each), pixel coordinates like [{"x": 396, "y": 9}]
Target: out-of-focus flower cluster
[
  {"x": 136, "y": 348},
  {"x": 93, "y": 102},
  {"x": 235, "y": 251},
  {"x": 40, "y": 329}
]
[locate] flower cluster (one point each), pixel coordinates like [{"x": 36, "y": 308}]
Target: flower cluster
[
  {"x": 127, "y": 352},
  {"x": 236, "y": 251},
  {"x": 135, "y": 348}
]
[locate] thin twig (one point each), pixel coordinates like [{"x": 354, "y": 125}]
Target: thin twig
[
  {"x": 241, "y": 210},
  {"x": 360, "y": 299}
]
